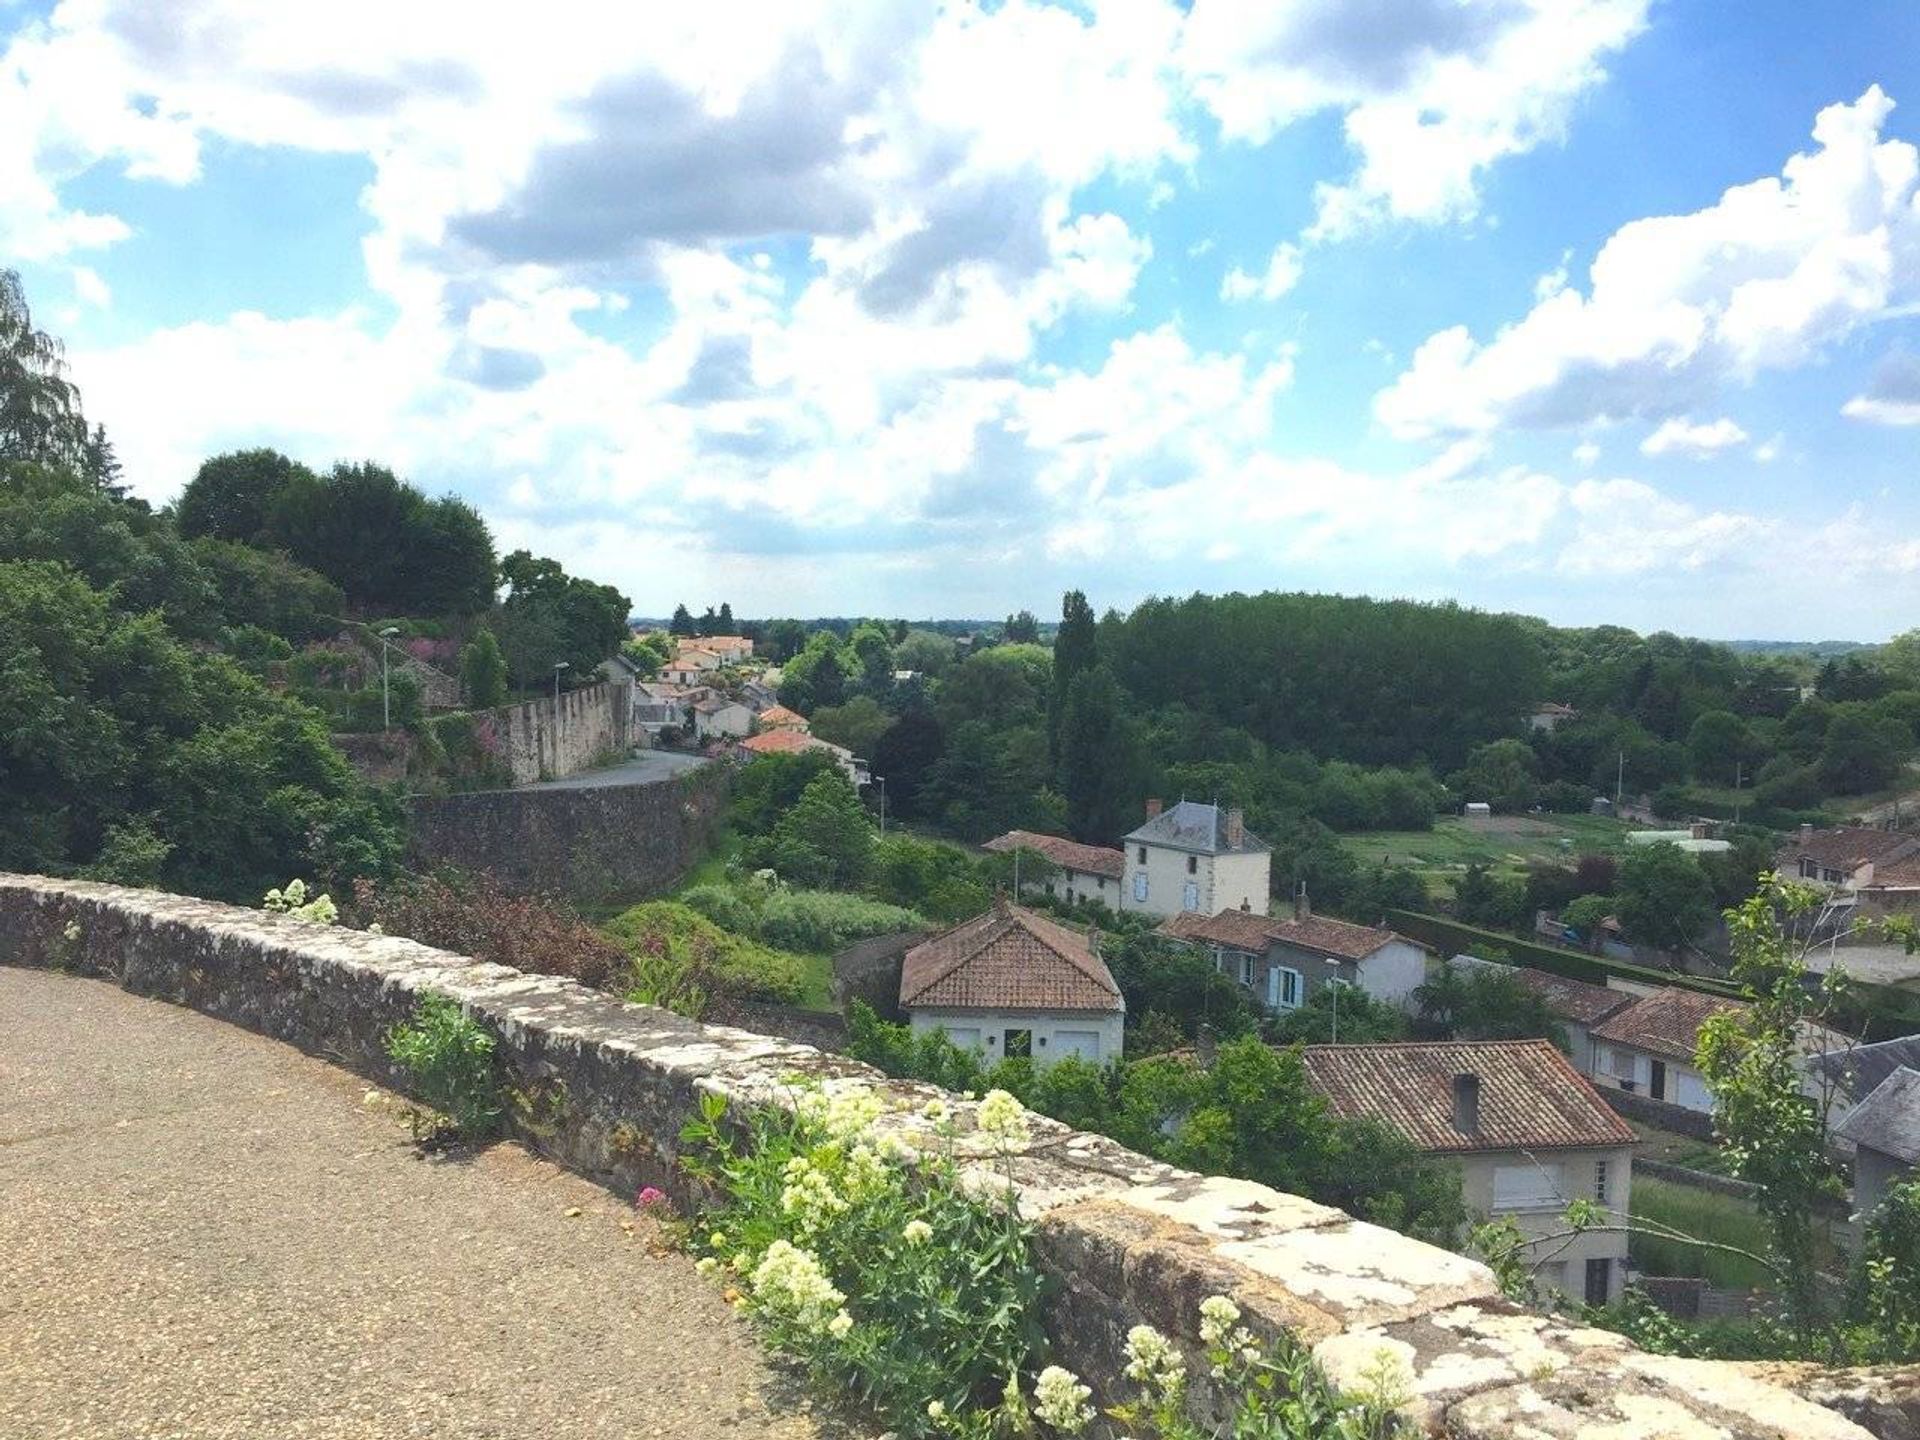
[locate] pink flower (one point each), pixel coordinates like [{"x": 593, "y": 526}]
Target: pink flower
[{"x": 650, "y": 1197}]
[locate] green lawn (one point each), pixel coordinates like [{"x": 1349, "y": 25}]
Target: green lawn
[
  {"x": 1700, "y": 1213},
  {"x": 1506, "y": 844}
]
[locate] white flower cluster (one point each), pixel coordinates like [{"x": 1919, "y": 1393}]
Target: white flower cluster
[
  {"x": 866, "y": 1173},
  {"x": 1060, "y": 1400},
  {"x": 293, "y": 901},
  {"x": 916, "y": 1232},
  {"x": 1003, "y": 1118},
  {"x": 1220, "y": 1328},
  {"x": 809, "y": 1196},
  {"x": 1153, "y": 1359},
  {"x": 72, "y": 931},
  {"x": 845, "y": 1115},
  {"x": 790, "y": 1282}
]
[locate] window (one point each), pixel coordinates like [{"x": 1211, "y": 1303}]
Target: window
[
  {"x": 1599, "y": 1281},
  {"x": 1102, "y": 882},
  {"x": 1143, "y": 854},
  {"x": 1246, "y": 969},
  {"x": 1140, "y": 885},
  {"x": 1084, "y": 1043},
  {"x": 1600, "y": 1181},
  {"x": 1190, "y": 896},
  {"x": 1193, "y": 864},
  {"x": 1527, "y": 1187},
  {"x": 1019, "y": 1045},
  {"x": 1283, "y": 988},
  {"x": 1832, "y": 877},
  {"x": 1809, "y": 870}
]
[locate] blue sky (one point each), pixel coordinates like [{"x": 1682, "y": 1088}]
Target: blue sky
[{"x": 1607, "y": 310}]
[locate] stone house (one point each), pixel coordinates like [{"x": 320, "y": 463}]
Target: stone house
[
  {"x": 1884, "y": 1129},
  {"x": 1011, "y": 983},
  {"x": 1284, "y": 959},
  {"x": 1194, "y": 859},
  {"x": 1529, "y": 1133},
  {"x": 1873, "y": 873},
  {"x": 727, "y": 649},
  {"x": 720, "y": 718},
  {"x": 692, "y": 666},
  {"x": 1087, "y": 872},
  {"x": 796, "y": 742}
]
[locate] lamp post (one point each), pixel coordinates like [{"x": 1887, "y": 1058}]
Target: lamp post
[
  {"x": 558, "y": 666},
  {"x": 386, "y": 703},
  {"x": 1334, "y": 985},
  {"x": 881, "y": 781}
]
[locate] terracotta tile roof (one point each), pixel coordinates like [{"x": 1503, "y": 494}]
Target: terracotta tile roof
[
  {"x": 775, "y": 716},
  {"x": 1901, "y": 874},
  {"x": 1008, "y": 959},
  {"x": 781, "y": 742},
  {"x": 1666, "y": 1022},
  {"x": 1195, "y": 827},
  {"x": 1239, "y": 930},
  {"x": 1574, "y": 1000},
  {"x": 1067, "y": 854},
  {"x": 1531, "y": 1098},
  {"x": 1847, "y": 848}
]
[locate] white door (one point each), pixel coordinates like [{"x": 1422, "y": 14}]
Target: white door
[{"x": 1084, "y": 1043}]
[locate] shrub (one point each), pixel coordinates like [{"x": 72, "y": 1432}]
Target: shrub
[
  {"x": 473, "y": 915},
  {"x": 448, "y": 1059},
  {"x": 822, "y": 920},
  {"x": 677, "y": 952}
]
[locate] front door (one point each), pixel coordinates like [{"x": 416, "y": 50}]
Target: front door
[
  {"x": 1657, "y": 1087},
  {"x": 1599, "y": 1281}
]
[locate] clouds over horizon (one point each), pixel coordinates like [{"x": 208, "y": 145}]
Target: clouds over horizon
[{"x": 927, "y": 289}]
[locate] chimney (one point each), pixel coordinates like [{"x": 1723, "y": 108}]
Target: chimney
[
  {"x": 1302, "y": 907},
  {"x": 1246, "y": 905},
  {"x": 1153, "y": 807},
  {"x": 1806, "y": 831},
  {"x": 1466, "y": 1103},
  {"x": 1236, "y": 826}
]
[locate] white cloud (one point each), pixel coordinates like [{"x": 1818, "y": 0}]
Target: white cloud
[
  {"x": 1280, "y": 276},
  {"x": 1626, "y": 527},
  {"x": 1433, "y": 92},
  {"x": 1681, "y": 306},
  {"x": 1586, "y": 454},
  {"x": 1702, "y": 441},
  {"x": 1892, "y": 397}
]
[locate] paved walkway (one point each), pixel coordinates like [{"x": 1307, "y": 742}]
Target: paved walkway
[
  {"x": 642, "y": 769},
  {"x": 204, "y": 1233}
]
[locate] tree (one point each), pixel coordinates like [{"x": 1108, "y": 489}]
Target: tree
[
  {"x": 231, "y": 496},
  {"x": 550, "y": 616},
  {"x": 725, "y": 620},
  {"x": 483, "y": 671},
  {"x": 924, "y": 652},
  {"x": 1859, "y": 753},
  {"x": 40, "y": 419},
  {"x": 1021, "y": 629},
  {"x": 682, "y": 622},
  {"x": 1718, "y": 744},
  {"x": 905, "y": 754},
  {"x": 870, "y": 651},
  {"x": 859, "y": 724},
  {"x": 1074, "y": 651},
  {"x": 709, "y": 622},
  {"x": 1503, "y": 773},
  {"x": 1664, "y": 898},
  {"x": 1481, "y": 898},
  {"x": 265, "y": 589},
  {"x": 1178, "y": 982},
  {"x": 828, "y": 820},
  {"x": 816, "y": 678},
  {"x": 1099, "y": 758},
  {"x": 1484, "y": 1002},
  {"x": 1345, "y": 1011}
]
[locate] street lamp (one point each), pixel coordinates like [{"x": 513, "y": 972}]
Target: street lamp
[
  {"x": 1334, "y": 984},
  {"x": 881, "y": 781},
  {"x": 386, "y": 704},
  {"x": 558, "y": 666}
]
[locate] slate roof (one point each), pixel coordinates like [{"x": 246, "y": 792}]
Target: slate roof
[
  {"x": 1574, "y": 1000},
  {"x": 1848, "y": 847},
  {"x": 1665, "y": 1023},
  {"x": 1192, "y": 826},
  {"x": 1239, "y": 930},
  {"x": 1531, "y": 1097},
  {"x": 1067, "y": 854},
  {"x": 1864, "y": 1068},
  {"x": 1888, "y": 1120},
  {"x": 1008, "y": 959},
  {"x": 714, "y": 704}
]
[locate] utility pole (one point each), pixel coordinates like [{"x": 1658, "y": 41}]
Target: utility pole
[
  {"x": 1619, "y": 782},
  {"x": 1334, "y": 985},
  {"x": 386, "y": 703},
  {"x": 881, "y": 781},
  {"x": 1739, "y": 770}
]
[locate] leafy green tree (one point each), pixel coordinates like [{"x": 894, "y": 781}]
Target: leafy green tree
[
  {"x": 1484, "y": 1002},
  {"x": 1100, "y": 759},
  {"x": 550, "y": 616},
  {"x": 1664, "y": 898},
  {"x": 231, "y": 496},
  {"x": 647, "y": 653},
  {"x": 816, "y": 678},
  {"x": 40, "y": 419},
  {"x": 906, "y": 754},
  {"x": 1860, "y": 753},
  {"x": 266, "y": 589},
  {"x": 1021, "y": 629},
  {"x": 769, "y": 786},
  {"x": 859, "y": 725},
  {"x": 870, "y": 650},
  {"x": 1343, "y": 1012},
  {"x": 829, "y": 820},
  {"x": 483, "y": 671},
  {"x": 1503, "y": 773},
  {"x": 924, "y": 652},
  {"x": 1482, "y": 898},
  {"x": 1718, "y": 744},
  {"x": 1179, "y": 982},
  {"x": 724, "y": 620},
  {"x": 682, "y": 623},
  {"x": 1587, "y": 913},
  {"x": 1074, "y": 651}
]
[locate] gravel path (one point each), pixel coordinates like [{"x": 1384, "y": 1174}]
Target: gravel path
[{"x": 207, "y": 1234}]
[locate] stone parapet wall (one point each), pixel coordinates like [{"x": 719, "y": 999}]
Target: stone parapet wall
[
  {"x": 549, "y": 739},
  {"x": 606, "y": 1086}
]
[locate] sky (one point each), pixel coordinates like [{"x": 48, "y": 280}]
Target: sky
[{"x": 1603, "y": 310}]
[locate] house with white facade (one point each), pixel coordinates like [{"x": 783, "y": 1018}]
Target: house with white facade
[
  {"x": 779, "y": 717},
  {"x": 1194, "y": 859},
  {"x": 1872, "y": 873},
  {"x": 798, "y": 742},
  {"x": 692, "y": 666},
  {"x": 728, "y": 649},
  {"x": 1527, "y": 1131},
  {"x": 1081, "y": 872},
  {"x": 1011, "y": 984},
  {"x": 719, "y": 717},
  {"x": 1648, "y": 1047},
  {"x": 1283, "y": 959}
]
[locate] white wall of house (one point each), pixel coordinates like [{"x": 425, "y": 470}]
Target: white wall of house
[
  {"x": 1533, "y": 1188},
  {"x": 1076, "y": 885},
  {"x": 732, "y": 721},
  {"x": 1393, "y": 972},
  {"x": 1095, "y": 1036},
  {"x": 1163, "y": 881},
  {"x": 1626, "y": 1068}
]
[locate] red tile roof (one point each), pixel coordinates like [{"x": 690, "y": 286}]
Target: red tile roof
[
  {"x": 1008, "y": 959},
  {"x": 1574, "y": 1000},
  {"x": 1847, "y": 848},
  {"x": 1239, "y": 930},
  {"x": 1531, "y": 1098},
  {"x": 1666, "y": 1022},
  {"x": 1067, "y": 854},
  {"x": 775, "y": 716},
  {"x": 781, "y": 742}
]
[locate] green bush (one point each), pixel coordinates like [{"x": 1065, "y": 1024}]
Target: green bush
[
  {"x": 807, "y": 920},
  {"x": 448, "y": 1059},
  {"x": 687, "y": 955},
  {"x": 1720, "y": 1218}
]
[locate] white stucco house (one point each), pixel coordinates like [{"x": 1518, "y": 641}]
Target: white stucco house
[
  {"x": 1194, "y": 859},
  {"x": 1011, "y": 983},
  {"x": 1284, "y": 959},
  {"x": 692, "y": 666},
  {"x": 1527, "y": 1131},
  {"x": 1084, "y": 873},
  {"x": 721, "y": 718}
]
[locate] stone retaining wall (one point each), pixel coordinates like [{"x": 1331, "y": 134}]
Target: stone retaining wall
[
  {"x": 1127, "y": 1239},
  {"x": 595, "y": 844}
]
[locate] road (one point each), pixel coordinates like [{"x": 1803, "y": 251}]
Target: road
[
  {"x": 209, "y": 1234},
  {"x": 643, "y": 769}
]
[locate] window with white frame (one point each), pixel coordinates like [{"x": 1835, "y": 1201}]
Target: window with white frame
[
  {"x": 1246, "y": 969},
  {"x": 1140, "y": 885},
  {"x": 1600, "y": 1181},
  {"x": 1190, "y": 897},
  {"x": 1283, "y": 988}
]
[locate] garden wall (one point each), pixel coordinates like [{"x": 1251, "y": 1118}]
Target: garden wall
[
  {"x": 597, "y": 844},
  {"x": 1127, "y": 1240},
  {"x": 546, "y": 739}
]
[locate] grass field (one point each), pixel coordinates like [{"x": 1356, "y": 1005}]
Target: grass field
[
  {"x": 1719, "y": 1218},
  {"x": 1506, "y": 844}
]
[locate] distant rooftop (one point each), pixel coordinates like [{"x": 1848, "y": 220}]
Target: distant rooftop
[
  {"x": 1193, "y": 826},
  {"x": 1067, "y": 854},
  {"x": 1888, "y": 1120}
]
